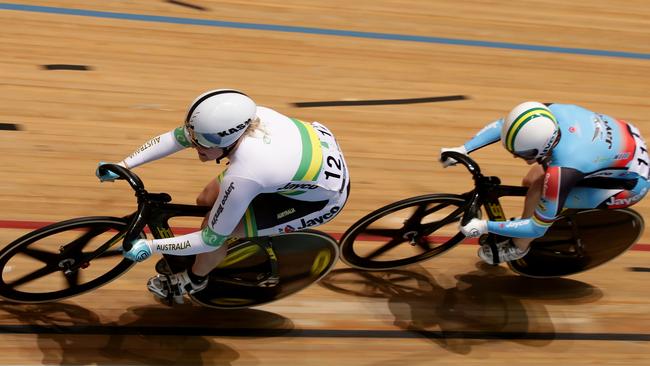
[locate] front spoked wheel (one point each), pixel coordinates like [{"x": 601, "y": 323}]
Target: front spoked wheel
[
  {"x": 402, "y": 233},
  {"x": 36, "y": 267}
]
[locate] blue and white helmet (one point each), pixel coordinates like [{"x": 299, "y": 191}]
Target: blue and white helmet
[
  {"x": 530, "y": 131},
  {"x": 218, "y": 118}
]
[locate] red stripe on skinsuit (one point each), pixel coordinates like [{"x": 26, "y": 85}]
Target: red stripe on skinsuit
[
  {"x": 551, "y": 188},
  {"x": 628, "y": 146}
]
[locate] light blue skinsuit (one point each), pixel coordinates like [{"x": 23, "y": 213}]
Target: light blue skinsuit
[{"x": 599, "y": 162}]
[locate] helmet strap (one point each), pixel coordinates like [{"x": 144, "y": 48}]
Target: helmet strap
[
  {"x": 543, "y": 161},
  {"x": 226, "y": 152},
  {"x": 546, "y": 158}
]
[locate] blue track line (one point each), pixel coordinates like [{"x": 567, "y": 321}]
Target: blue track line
[{"x": 322, "y": 31}]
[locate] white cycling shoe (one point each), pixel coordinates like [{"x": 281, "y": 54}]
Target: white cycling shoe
[
  {"x": 174, "y": 286},
  {"x": 506, "y": 251}
]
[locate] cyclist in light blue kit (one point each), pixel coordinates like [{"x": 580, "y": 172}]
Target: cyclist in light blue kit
[{"x": 584, "y": 160}]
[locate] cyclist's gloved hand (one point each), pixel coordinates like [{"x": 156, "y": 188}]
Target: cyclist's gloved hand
[
  {"x": 474, "y": 228},
  {"x": 140, "y": 250},
  {"x": 448, "y": 162},
  {"x": 106, "y": 176}
]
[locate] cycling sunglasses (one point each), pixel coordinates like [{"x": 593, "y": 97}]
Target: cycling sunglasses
[{"x": 202, "y": 140}]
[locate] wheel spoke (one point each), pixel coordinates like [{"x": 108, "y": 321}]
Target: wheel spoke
[
  {"x": 376, "y": 282},
  {"x": 417, "y": 215},
  {"x": 75, "y": 248},
  {"x": 39, "y": 273},
  {"x": 409, "y": 221},
  {"x": 404, "y": 289},
  {"x": 111, "y": 253},
  {"x": 388, "y": 233},
  {"x": 421, "y": 211},
  {"x": 34, "y": 263},
  {"x": 40, "y": 255},
  {"x": 116, "y": 237},
  {"x": 84, "y": 239},
  {"x": 452, "y": 217},
  {"x": 384, "y": 248},
  {"x": 437, "y": 208}
]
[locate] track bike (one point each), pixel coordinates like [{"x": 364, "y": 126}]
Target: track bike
[
  {"x": 419, "y": 228},
  {"x": 75, "y": 256}
]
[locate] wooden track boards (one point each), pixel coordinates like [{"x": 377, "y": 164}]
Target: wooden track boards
[{"x": 142, "y": 73}]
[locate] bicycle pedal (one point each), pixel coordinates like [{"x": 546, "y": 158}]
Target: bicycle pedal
[{"x": 162, "y": 289}]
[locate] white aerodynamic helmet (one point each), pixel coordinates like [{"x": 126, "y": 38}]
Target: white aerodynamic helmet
[
  {"x": 530, "y": 131},
  {"x": 218, "y": 118}
]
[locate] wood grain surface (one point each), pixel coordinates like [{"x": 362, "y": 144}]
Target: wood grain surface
[{"x": 145, "y": 61}]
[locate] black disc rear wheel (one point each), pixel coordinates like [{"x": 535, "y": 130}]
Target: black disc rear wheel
[
  {"x": 303, "y": 258},
  {"x": 603, "y": 235},
  {"x": 402, "y": 233},
  {"x": 34, "y": 265}
]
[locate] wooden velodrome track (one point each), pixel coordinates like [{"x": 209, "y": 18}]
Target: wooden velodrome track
[{"x": 145, "y": 61}]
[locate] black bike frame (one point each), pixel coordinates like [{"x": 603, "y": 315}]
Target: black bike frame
[
  {"x": 487, "y": 190},
  {"x": 154, "y": 211},
  {"x": 159, "y": 214}
]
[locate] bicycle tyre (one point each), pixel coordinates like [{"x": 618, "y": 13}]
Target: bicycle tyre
[
  {"x": 606, "y": 235},
  {"x": 303, "y": 258},
  {"x": 34, "y": 246},
  {"x": 419, "y": 232}
]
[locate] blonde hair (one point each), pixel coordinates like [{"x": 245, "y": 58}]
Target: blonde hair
[{"x": 256, "y": 129}]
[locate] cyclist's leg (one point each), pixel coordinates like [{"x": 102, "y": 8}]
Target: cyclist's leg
[
  {"x": 588, "y": 197},
  {"x": 269, "y": 214},
  {"x": 534, "y": 180},
  {"x": 208, "y": 196},
  {"x": 305, "y": 214},
  {"x": 639, "y": 165},
  {"x": 583, "y": 197},
  {"x": 274, "y": 213},
  {"x": 205, "y": 262}
]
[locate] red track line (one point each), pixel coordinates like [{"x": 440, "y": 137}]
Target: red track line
[{"x": 15, "y": 224}]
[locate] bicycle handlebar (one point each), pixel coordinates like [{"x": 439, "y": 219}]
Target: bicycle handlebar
[
  {"x": 123, "y": 173},
  {"x": 474, "y": 204},
  {"x": 464, "y": 159},
  {"x": 139, "y": 219}
]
